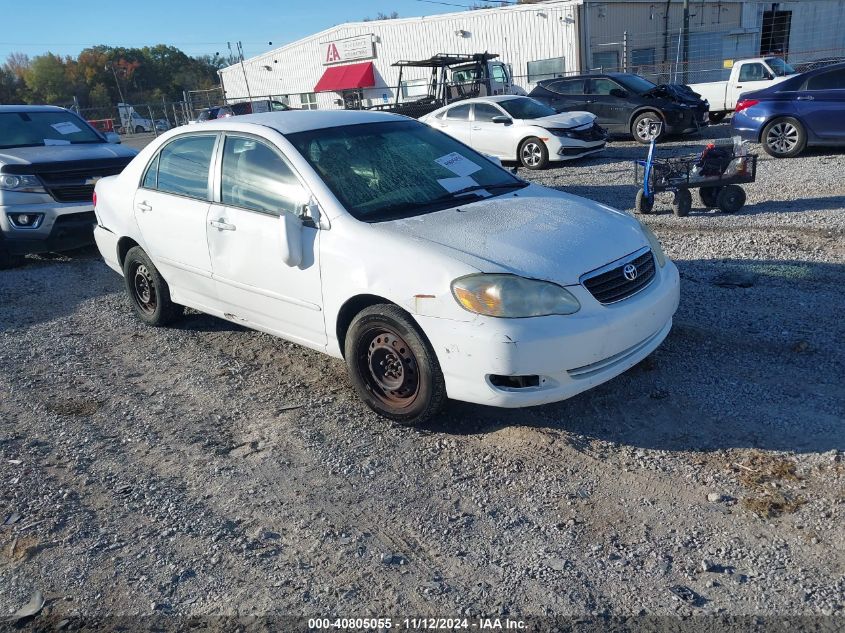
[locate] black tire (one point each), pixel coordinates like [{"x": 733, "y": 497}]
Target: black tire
[
  {"x": 682, "y": 203},
  {"x": 148, "y": 291},
  {"x": 784, "y": 137},
  {"x": 717, "y": 117},
  {"x": 7, "y": 260},
  {"x": 731, "y": 199},
  {"x": 641, "y": 124},
  {"x": 533, "y": 153},
  {"x": 139, "y": 129},
  {"x": 392, "y": 365},
  {"x": 709, "y": 196},
  {"x": 643, "y": 204}
]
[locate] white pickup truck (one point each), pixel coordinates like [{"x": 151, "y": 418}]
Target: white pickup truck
[{"x": 746, "y": 75}]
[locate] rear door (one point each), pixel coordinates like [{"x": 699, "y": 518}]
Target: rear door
[
  {"x": 171, "y": 208},
  {"x": 565, "y": 95},
  {"x": 455, "y": 122},
  {"x": 822, "y": 105},
  {"x": 257, "y": 187}
]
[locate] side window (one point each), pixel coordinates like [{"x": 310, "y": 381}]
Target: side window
[
  {"x": 183, "y": 166},
  {"x": 151, "y": 177},
  {"x": 602, "y": 86},
  {"x": 498, "y": 74},
  {"x": 459, "y": 113},
  {"x": 752, "y": 72},
  {"x": 568, "y": 87},
  {"x": 832, "y": 80},
  {"x": 486, "y": 112},
  {"x": 255, "y": 177}
]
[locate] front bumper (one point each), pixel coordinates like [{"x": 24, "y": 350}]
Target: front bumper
[
  {"x": 569, "y": 354},
  {"x": 564, "y": 148},
  {"x": 63, "y": 227},
  {"x": 689, "y": 122}
]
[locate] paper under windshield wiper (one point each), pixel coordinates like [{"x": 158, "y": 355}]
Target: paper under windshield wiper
[{"x": 501, "y": 185}]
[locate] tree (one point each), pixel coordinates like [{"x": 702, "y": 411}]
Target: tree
[
  {"x": 48, "y": 80},
  {"x": 383, "y": 16},
  {"x": 99, "y": 97}
]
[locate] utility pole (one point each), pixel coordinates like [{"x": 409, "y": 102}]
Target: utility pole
[
  {"x": 686, "y": 41},
  {"x": 243, "y": 68},
  {"x": 116, "y": 81}
]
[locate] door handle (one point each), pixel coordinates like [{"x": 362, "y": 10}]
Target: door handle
[
  {"x": 222, "y": 225},
  {"x": 806, "y": 98},
  {"x": 738, "y": 86},
  {"x": 144, "y": 206}
]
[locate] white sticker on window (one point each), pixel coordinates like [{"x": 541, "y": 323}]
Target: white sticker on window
[
  {"x": 461, "y": 182},
  {"x": 457, "y": 164},
  {"x": 56, "y": 141},
  {"x": 65, "y": 127}
]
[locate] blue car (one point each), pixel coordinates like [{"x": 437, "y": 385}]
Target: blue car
[{"x": 807, "y": 109}]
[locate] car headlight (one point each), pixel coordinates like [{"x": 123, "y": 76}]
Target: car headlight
[
  {"x": 656, "y": 248},
  {"x": 560, "y": 132},
  {"x": 512, "y": 297},
  {"x": 28, "y": 184}
]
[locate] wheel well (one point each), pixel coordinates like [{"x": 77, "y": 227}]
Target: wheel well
[
  {"x": 348, "y": 311},
  {"x": 123, "y": 246}
]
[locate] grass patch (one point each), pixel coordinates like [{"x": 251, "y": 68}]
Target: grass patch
[{"x": 764, "y": 476}]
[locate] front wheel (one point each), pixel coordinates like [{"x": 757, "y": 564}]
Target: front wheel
[
  {"x": 784, "y": 138},
  {"x": 139, "y": 129},
  {"x": 392, "y": 365},
  {"x": 682, "y": 204},
  {"x": 533, "y": 153},
  {"x": 148, "y": 290},
  {"x": 647, "y": 126},
  {"x": 643, "y": 204}
]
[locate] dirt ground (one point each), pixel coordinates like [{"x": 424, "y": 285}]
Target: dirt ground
[{"x": 206, "y": 469}]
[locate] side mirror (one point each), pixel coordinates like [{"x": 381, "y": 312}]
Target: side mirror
[
  {"x": 112, "y": 137},
  {"x": 291, "y": 229},
  {"x": 504, "y": 120},
  {"x": 618, "y": 93}
]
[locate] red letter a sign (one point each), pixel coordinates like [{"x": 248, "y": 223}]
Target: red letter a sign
[{"x": 331, "y": 53}]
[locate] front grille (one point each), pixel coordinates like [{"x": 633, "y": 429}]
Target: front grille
[
  {"x": 72, "y": 193},
  {"x": 595, "y": 133},
  {"x": 75, "y": 185},
  {"x": 609, "y": 284},
  {"x": 70, "y": 218}
]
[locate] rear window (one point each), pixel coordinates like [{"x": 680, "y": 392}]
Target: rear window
[
  {"x": 566, "y": 87},
  {"x": 183, "y": 166}
]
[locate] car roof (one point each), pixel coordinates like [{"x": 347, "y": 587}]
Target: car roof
[
  {"x": 292, "y": 121},
  {"x": 31, "y": 108}
]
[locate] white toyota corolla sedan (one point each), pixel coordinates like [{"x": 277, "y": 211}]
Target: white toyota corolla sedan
[
  {"x": 429, "y": 268},
  {"x": 521, "y": 129}
]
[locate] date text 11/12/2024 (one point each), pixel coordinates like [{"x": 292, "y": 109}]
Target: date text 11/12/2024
[{"x": 417, "y": 624}]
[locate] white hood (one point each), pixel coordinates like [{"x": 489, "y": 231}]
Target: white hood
[
  {"x": 564, "y": 120},
  {"x": 537, "y": 233}
]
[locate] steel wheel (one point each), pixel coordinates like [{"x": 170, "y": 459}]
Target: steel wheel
[
  {"x": 389, "y": 368},
  {"x": 532, "y": 155},
  {"x": 783, "y": 137},
  {"x": 144, "y": 292}
]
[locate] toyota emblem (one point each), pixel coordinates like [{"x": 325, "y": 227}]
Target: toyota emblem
[{"x": 630, "y": 272}]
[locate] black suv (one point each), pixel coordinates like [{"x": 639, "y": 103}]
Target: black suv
[{"x": 627, "y": 103}]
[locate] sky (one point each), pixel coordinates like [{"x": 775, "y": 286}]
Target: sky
[{"x": 197, "y": 27}]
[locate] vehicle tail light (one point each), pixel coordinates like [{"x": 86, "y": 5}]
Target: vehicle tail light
[
  {"x": 744, "y": 104},
  {"x": 94, "y": 199}
]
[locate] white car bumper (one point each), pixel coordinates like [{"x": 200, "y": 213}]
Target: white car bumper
[
  {"x": 564, "y": 355},
  {"x": 563, "y": 148}
]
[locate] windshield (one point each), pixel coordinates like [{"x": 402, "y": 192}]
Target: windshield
[
  {"x": 780, "y": 67},
  {"x": 526, "y": 108},
  {"x": 31, "y": 129},
  {"x": 635, "y": 83},
  {"x": 384, "y": 171}
]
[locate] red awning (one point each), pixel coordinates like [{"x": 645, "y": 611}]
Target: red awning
[{"x": 337, "y": 78}]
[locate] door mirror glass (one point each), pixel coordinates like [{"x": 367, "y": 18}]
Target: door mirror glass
[
  {"x": 618, "y": 93},
  {"x": 504, "y": 120},
  {"x": 290, "y": 227}
]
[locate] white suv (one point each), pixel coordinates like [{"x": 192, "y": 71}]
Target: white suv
[{"x": 372, "y": 237}]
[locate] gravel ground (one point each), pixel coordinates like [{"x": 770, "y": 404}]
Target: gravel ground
[{"x": 208, "y": 469}]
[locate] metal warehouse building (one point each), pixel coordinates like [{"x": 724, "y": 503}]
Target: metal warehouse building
[{"x": 540, "y": 40}]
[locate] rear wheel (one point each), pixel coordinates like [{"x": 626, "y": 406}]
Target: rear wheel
[
  {"x": 717, "y": 117},
  {"x": 643, "y": 204},
  {"x": 139, "y": 129},
  {"x": 533, "y": 153},
  {"x": 643, "y": 129},
  {"x": 731, "y": 199},
  {"x": 682, "y": 204},
  {"x": 148, "y": 290},
  {"x": 392, "y": 365},
  {"x": 784, "y": 138}
]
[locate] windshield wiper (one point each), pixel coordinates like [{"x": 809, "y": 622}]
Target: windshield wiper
[{"x": 495, "y": 187}]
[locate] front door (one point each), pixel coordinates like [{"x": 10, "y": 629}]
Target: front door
[
  {"x": 610, "y": 110},
  {"x": 171, "y": 209},
  {"x": 491, "y": 138},
  {"x": 245, "y": 230}
]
